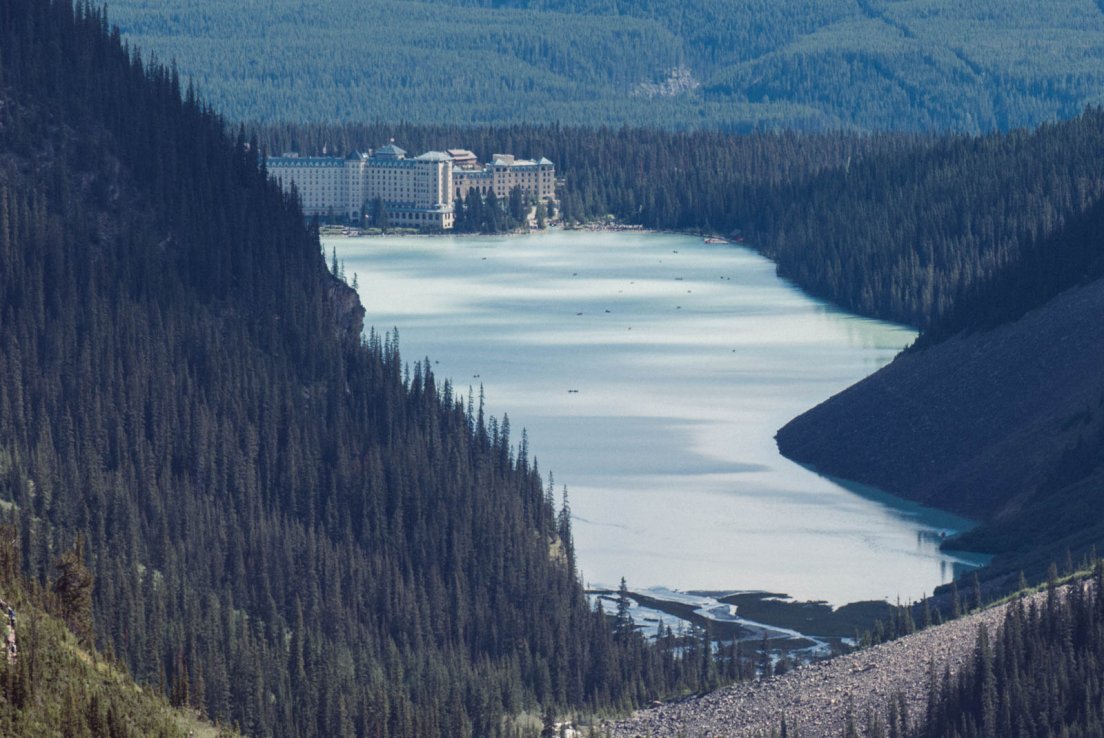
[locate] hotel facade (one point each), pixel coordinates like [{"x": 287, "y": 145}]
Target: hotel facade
[{"x": 416, "y": 192}]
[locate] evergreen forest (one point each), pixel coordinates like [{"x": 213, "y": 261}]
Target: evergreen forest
[
  {"x": 1038, "y": 676},
  {"x": 289, "y": 528},
  {"x": 738, "y": 65}
]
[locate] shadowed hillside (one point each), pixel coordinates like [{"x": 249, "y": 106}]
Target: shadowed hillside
[
  {"x": 997, "y": 413},
  {"x": 289, "y": 529}
]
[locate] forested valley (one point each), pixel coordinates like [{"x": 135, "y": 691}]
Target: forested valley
[
  {"x": 289, "y": 527},
  {"x": 957, "y": 235},
  {"x": 296, "y": 532}
]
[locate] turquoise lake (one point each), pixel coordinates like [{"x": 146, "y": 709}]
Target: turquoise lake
[{"x": 651, "y": 372}]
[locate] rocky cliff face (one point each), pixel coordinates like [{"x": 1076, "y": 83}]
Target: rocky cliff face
[{"x": 348, "y": 313}]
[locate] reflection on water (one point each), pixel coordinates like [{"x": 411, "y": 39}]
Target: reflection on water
[{"x": 651, "y": 372}]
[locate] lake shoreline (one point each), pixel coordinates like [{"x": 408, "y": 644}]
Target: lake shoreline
[
  {"x": 335, "y": 231},
  {"x": 648, "y": 368},
  {"x": 751, "y": 613}
]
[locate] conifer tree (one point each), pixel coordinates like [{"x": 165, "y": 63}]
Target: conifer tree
[{"x": 73, "y": 590}]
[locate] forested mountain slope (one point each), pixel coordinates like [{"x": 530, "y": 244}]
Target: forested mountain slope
[
  {"x": 974, "y": 424},
  {"x": 997, "y": 413},
  {"x": 289, "y": 529},
  {"x": 806, "y": 64},
  {"x": 1038, "y": 676}
]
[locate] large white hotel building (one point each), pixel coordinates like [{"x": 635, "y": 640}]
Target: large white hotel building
[{"x": 418, "y": 192}]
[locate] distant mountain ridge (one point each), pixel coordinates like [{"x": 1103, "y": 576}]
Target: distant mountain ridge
[{"x": 800, "y": 64}]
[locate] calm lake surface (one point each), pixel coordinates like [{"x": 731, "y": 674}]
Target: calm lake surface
[{"x": 651, "y": 372}]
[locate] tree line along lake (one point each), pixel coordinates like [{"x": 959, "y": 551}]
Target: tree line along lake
[{"x": 651, "y": 372}]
